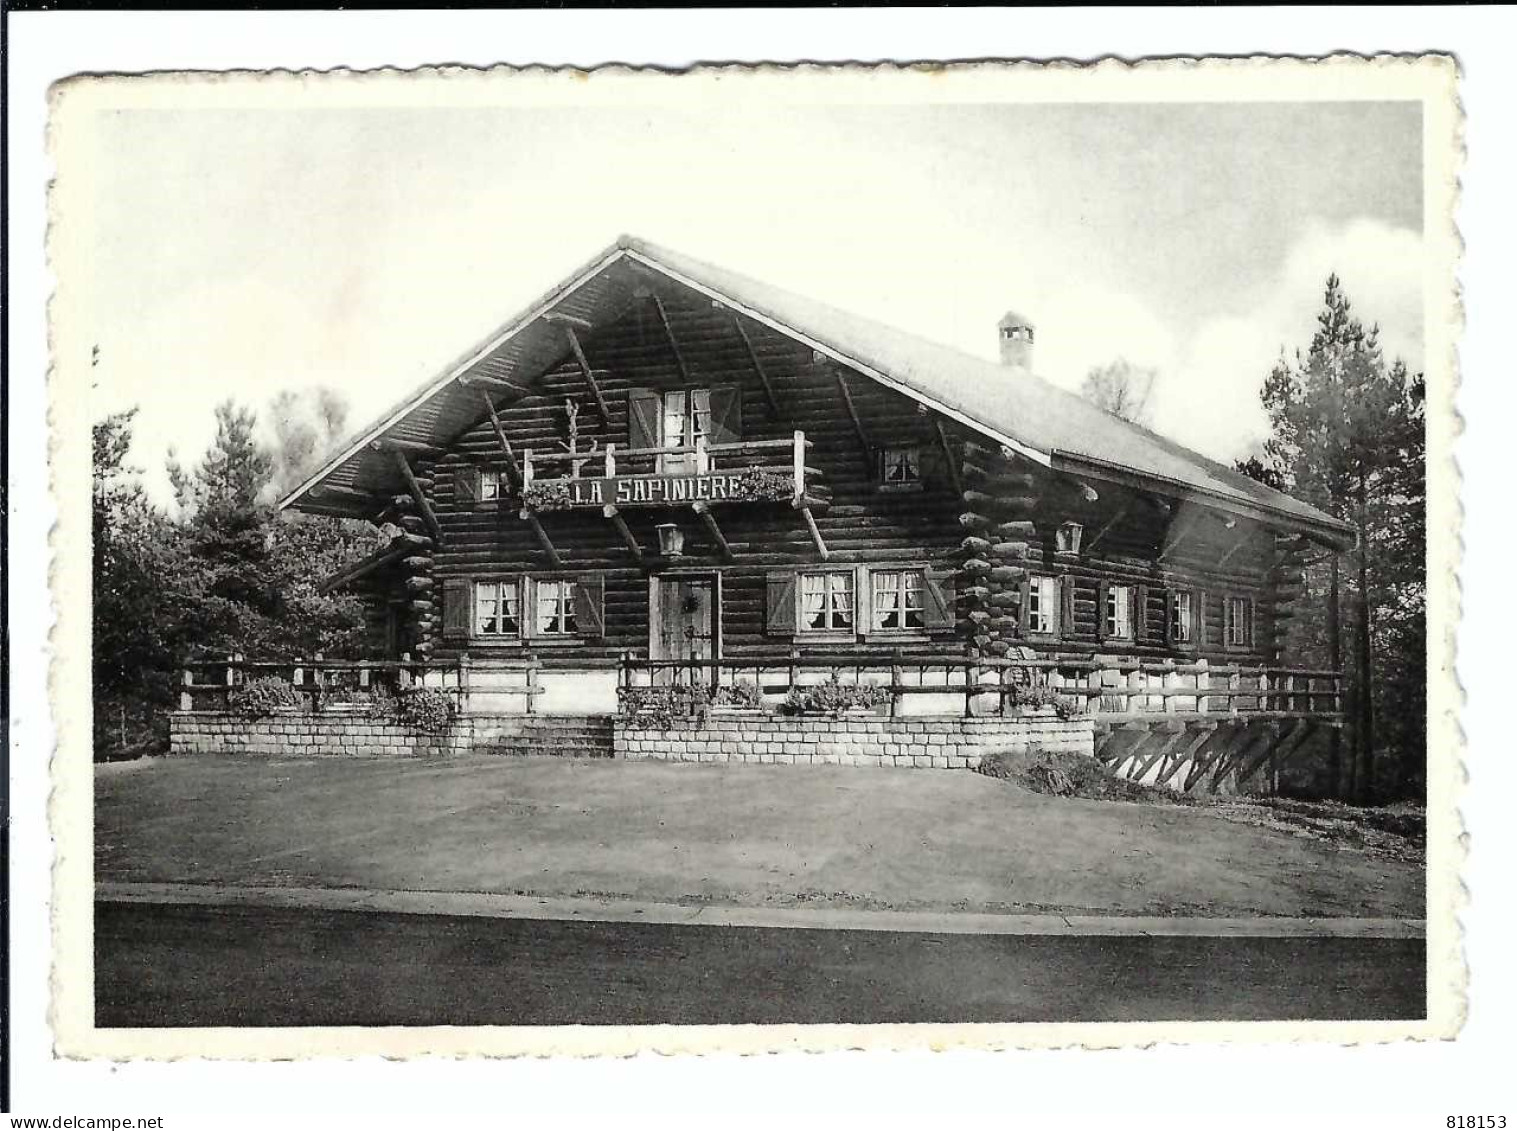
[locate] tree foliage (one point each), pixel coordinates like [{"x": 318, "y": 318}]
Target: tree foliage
[
  {"x": 1348, "y": 436},
  {"x": 224, "y": 573},
  {"x": 1122, "y": 389}
]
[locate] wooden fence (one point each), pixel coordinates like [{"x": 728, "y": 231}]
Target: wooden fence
[
  {"x": 1108, "y": 687},
  {"x": 206, "y": 685}
]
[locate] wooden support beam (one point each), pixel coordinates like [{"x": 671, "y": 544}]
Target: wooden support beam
[
  {"x": 954, "y": 474},
  {"x": 1253, "y": 755},
  {"x": 542, "y": 538},
  {"x": 816, "y": 535},
  {"x": 496, "y": 383},
  {"x": 403, "y": 466},
  {"x": 1242, "y": 540},
  {"x": 704, "y": 510},
  {"x": 1171, "y": 739},
  {"x": 407, "y": 447},
  {"x": 679, "y": 357},
  {"x": 560, "y": 319},
  {"x": 1282, "y": 740},
  {"x": 348, "y": 494},
  {"x": 610, "y": 511},
  {"x": 1107, "y": 528},
  {"x": 505, "y": 444},
  {"x": 853, "y": 415},
  {"x": 1187, "y": 528},
  {"x": 758, "y": 366},
  {"x": 584, "y": 367}
]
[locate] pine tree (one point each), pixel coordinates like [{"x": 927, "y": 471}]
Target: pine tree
[{"x": 1347, "y": 436}]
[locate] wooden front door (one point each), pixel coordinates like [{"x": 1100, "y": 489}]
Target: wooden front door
[{"x": 684, "y": 626}]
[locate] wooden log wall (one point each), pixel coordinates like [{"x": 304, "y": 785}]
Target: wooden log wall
[{"x": 991, "y": 517}]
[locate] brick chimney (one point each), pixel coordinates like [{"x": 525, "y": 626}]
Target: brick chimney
[{"x": 1014, "y": 331}]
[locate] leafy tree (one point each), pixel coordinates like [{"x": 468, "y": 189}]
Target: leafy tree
[
  {"x": 307, "y": 427},
  {"x": 226, "y": 574},
  {"x": 1348, "y": 437},
  {"x": 1122, "y": 389}
]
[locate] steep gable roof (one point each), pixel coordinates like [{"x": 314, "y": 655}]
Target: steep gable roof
[{"x": 1046, "y": 423}]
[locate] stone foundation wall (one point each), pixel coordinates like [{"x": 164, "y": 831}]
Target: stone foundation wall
[
  {"x": 301, "y": 734},
  {"x": 939, "y": 743}
]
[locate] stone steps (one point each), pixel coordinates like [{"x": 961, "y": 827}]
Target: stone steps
[{"x": 567, "y": 736}]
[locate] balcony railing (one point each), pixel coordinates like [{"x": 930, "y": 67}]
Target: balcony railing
[
  {"x": 781, "y": 459},
  {"x": 1114, "y": 690}
]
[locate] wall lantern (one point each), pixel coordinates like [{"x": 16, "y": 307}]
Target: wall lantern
[
  {"x": 1069, "y": 537},
  {"x": 671, "y": 540}
]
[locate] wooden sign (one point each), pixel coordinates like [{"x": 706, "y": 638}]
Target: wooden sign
[{"x": 659, "y": 490}]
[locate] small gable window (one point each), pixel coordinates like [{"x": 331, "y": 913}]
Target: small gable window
[
  {"x": 489, "y": 485},
  {"x": 900, "y": 467}
]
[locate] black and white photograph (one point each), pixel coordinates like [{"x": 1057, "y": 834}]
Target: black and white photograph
[{"x": 602, "y": 561}]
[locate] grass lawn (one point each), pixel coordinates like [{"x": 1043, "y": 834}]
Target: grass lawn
[{"x": 690, "y": 833}]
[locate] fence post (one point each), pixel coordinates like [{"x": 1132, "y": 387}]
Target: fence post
[
  {"x": 794, "y": 655},
  {"x": 971, "y": 682},
  {"x": 531, "y": 683},
  {"x": 463, "y": 682},
  {"x": 896, "y": 673},
  {"x": 186, "y": 698},
  {"x": 1203, "y": 681},
  {"x": 798, "y": 462}
]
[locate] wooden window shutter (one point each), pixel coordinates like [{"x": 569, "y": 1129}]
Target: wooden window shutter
[
  {"x": 1169, "y": 616},
  {"x": 465, "y": 486},
  {"x": 780, "y": 620},
  {"x": 1023, "y": 627},
  {"x": 726, "y": 415},
  {"x": 1140, "y": 614},
  {"x": 644, "y": 407},
  {"x": 1066, "y": 604},
  {"x": 456, "y": 592},
  {"x": 1103, "y": 592},
  {"x": 938, "y": 599},
  {"x": 590, "y": 605},
  {"x": 1198, "y": 615}
]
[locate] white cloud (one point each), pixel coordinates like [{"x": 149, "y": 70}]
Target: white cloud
[{"x": 1210, "y": 400}]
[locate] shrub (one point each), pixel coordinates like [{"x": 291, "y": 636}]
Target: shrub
[
  {"x": 1033, "y": 695},
  {"x": 261, "y": 697},
  {"x": 744, "y": 693},
  {"x": 832, "y": 695},
  {"x": 658, "y": 707},
  {"x": 424, "y": 708}
]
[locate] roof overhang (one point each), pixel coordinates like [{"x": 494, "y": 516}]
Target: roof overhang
[{"x": 529, "y": 345}]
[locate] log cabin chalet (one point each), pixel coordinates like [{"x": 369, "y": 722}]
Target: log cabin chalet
[{"x": 665, "y": 465}]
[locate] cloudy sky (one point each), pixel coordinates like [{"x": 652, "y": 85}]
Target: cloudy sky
[{"x": 241, "y": 252}]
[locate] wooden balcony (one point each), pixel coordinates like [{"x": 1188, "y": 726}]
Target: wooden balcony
[{"x": 747, "y": 471}]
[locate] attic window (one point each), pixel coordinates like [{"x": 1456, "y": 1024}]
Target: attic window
[
  {"x": 489, "y": 485},
  {"x": 1017, "y": 333},
  {"x": 900, "y": 467}
]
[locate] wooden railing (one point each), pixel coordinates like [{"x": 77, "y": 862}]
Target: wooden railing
[
  {"x": 325, "y": 684},
  {"x": 1112, "y": 689},
  {"x": 782, "y": 457}
]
